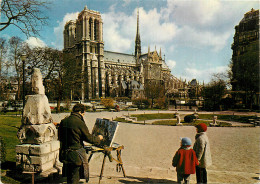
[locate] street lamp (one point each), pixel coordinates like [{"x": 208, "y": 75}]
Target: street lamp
[{"x": 23, "y": 58}]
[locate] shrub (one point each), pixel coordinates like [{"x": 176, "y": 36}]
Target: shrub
[
  {"x": 142, "y": 103},
  {"x": 3, "y": 151},
  {"x": 122, "y": 99},
  {"x": 189, "y": 118},
  {"x": 87, "y": 107},
  {"x": 161, "y": 103},
  {"x": 62, "y": 109},
  {"x": 108, "y": 102}
]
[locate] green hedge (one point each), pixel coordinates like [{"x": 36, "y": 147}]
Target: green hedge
[
  {"x": 3, "y": 150},
  {"x": 189, "y": 118}
]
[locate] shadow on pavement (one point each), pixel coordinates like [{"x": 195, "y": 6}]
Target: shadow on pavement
[
  {"x": 12, "y": 175},
  {"x": 145, "y": 180}
]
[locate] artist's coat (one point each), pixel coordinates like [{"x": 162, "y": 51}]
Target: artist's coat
[
  {"x": 202, "y": 149},
  {"x": 72, "y": 132}
]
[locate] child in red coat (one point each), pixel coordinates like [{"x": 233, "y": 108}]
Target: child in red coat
[{"x": 185, "y": 161}]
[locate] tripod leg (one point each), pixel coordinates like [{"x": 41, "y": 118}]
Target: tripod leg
[
  {"x": 120, "y": 160},
  {"x": 102, "y": 169}
]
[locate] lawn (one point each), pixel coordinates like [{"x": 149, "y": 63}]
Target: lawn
[
  {"x": 11, "y": 113},
  {"x": 125, "y": 121},
  {"x": 142, "y": 117},
  {"x": 173, "y": 123},
  {"x": 9, "y": 126},
  {"x": 236, "y": 118}
]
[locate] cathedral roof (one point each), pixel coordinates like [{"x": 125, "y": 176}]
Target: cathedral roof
[
  {"x": 119, "y": 57},
  {"x": 164, "y": 65}
]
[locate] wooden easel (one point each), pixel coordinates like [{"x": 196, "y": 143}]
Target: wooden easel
[{"x": 119, "y": 161}]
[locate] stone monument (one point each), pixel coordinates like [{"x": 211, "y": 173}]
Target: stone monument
[
  {"x": 39, "y": 148},
  {"x": 196, "y": 114},
  {"x": 178, "y": 118},
  {"x": 215, "y": 120}
]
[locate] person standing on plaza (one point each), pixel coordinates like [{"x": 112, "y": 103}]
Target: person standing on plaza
[
  {"x": 72, "y": 131},
  {"x": 185, "y": 161},
  {"x": 202, "y": 149}
]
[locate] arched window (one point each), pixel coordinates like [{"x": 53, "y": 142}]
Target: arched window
[{"x": 90, "y": 30}]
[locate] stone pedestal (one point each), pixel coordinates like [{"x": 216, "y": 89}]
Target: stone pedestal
[{"x": 37, "y": 158}]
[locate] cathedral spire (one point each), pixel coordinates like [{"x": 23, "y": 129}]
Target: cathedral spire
[{"x": 137, "y": 38}]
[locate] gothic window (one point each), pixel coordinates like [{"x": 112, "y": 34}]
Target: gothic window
[
  {"x": 96, "y": 29},
  {"x": 90, "y": 30}
]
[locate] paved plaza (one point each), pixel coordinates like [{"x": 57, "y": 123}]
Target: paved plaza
[{"x": 149, "y": 150}]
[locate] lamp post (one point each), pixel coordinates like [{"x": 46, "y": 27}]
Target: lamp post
[{"x": 23, "y": 57}]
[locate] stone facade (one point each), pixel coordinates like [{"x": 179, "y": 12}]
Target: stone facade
[
  {"x": 245, "y": 59},
  {"x": 39, "y": 148},
  {"x": 112, "y": 74}
]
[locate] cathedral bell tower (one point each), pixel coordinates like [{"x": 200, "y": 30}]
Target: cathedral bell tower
[{"x": 90, "y": 44}]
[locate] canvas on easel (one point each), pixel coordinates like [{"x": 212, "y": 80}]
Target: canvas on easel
[{"x": 107, "y": 129}]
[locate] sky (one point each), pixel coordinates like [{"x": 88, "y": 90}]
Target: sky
[{"x": 195, "y": 36}]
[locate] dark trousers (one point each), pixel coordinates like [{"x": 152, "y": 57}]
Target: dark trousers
[
  {"x": 201, "y": 175},
  {"x": 183, "y": 178},
  {"x": 72, "y": 173}
]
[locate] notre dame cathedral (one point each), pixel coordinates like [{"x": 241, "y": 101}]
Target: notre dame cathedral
[{"x": 113, "y": 74}]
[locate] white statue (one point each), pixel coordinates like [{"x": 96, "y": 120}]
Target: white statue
[
  {"x": 215, "y": 120},
  {"x": 178, "y": 119}
]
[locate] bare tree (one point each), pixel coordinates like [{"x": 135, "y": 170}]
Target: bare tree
[
  {"x": 15, "y": 49},
  {"x": 50, "y": 62},
  {"x": 3, "y": 50},
  {"x": 153, "y": 89},
  {"x": 27, "y": 15}
]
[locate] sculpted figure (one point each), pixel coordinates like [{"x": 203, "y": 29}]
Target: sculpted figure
[{"x": 37, "y": 109}]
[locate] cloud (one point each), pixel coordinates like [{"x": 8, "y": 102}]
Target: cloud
[
  {"x": 114, "y": 33},
  {"x": 58, "y": 31},
  {"x": 204, "y": 23},
  {"x": 153, "y": 29},
  {"x": 202, "y": 74},
  {"x": 188, "y": 36},
  {"x": 196, "y": 12},
  {"x": 120, "y": 29},
  {"x": 171, "y": 63},
  {"x": 35, "y": 42}
]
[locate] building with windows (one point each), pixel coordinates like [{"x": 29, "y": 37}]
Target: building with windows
[
  {"x": 112, "y": 74},
  {"x": 245, "y": 60}
]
